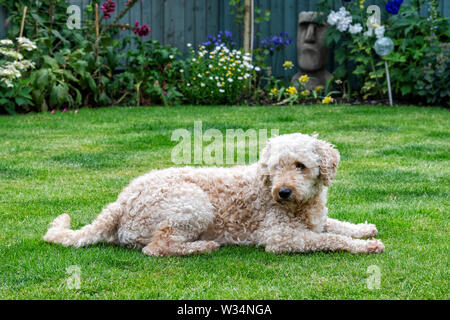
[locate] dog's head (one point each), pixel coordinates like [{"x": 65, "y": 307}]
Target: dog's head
[{"x": 294, "y": 167}]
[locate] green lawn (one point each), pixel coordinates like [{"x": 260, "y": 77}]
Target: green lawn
[{"x": 394, "y": 172}]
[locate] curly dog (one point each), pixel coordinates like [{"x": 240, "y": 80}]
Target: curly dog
[{"x": 278, "y": 202}]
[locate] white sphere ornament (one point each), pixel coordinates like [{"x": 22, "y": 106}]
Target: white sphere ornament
[{"x": 384, "y": 46}]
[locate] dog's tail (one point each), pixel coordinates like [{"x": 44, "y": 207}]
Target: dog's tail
[{"x": 104, "y": 228}]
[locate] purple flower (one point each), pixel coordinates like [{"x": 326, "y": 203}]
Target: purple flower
[
  {"x": 141, "y": 31},
  {"x": 223, "y": 38},
  {"x": 393, "y": 6},
  {"x": 276, "y": 43},
  {"x": 108, "y": 8}
]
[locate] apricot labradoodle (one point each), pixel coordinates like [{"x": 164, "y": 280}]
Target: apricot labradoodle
[{"x": 278, "y": 203}]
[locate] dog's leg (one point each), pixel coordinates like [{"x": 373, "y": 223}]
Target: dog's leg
[
  {"x": 291, "y": 240},
  {"x": 188, "y": 213},
  {"x": 168, "y": 242},
  {"x": 362, "y": 230}
]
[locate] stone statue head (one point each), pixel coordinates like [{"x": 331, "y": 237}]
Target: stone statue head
[{"x": 312, "y": 54}]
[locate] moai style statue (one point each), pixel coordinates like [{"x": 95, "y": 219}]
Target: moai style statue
[{"x": 312, "y": 54}]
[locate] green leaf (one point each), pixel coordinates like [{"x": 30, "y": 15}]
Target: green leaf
[
  {"x": 49, "y": 61},
  {"x": 58, "y": 95}
]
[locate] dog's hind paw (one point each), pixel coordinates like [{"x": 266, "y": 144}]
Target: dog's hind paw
[
  {"x": 366, "y": 230},
  {"x": 374, "y": 246}
]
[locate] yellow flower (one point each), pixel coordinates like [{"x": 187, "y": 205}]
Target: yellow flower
[
  {"x": 292, "y": 91},
  {"x": 303, "y": 79},
  {"x": 288, "y": 65},
  {"x": 327, "y": 100},
  {"x": 318, "y": 88},
  {"x": 274, "y": 92},
  {"x": 305, "y": 93}
]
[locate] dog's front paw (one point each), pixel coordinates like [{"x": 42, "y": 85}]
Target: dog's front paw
[
  {"x": 374, "y": 246},
  {"x": 366, "y": 230}
]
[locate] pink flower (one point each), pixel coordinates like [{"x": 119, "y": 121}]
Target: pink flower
[
  {"x": 165, "y": 92},
  {"x": 108, "y": 8},
  {"x": 76, "y": 111},
  {"x": 65, "y": 110},
  {"x": 53, "y": 111}
]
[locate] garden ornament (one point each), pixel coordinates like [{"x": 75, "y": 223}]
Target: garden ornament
[
  {"x": 312, "y": 54},
  {"x": 383, "y": 47}
]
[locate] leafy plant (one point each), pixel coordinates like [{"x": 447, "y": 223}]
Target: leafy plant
[{"x": 153, "y": 73}]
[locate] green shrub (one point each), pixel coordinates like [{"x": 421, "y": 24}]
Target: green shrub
[{"x": 152, "y": 74}]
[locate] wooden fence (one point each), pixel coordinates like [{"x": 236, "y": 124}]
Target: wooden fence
[{"x": 178, "y": 22}]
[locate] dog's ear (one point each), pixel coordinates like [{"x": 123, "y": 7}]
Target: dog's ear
[
  {"x": 329, "y": 161},
  {"x": 263, "y": 165}
]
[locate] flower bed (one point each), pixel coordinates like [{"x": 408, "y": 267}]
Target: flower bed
[{"x": 68, "y": 69}]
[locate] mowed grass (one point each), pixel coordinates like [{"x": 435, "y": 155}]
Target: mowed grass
[{"x": 394, "y": 172}]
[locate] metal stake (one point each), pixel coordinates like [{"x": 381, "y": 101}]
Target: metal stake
[{"x": 389, "y": 83}]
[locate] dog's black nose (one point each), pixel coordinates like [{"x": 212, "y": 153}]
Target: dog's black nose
[{"x": 284, "y": 193}]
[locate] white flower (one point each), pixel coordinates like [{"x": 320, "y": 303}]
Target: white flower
[
  {"x": 199, "y": 75},
  {"x": 344, "y": 23},
  {"x": 379, "y": 32},
  {"x": 202, "y": 85},
  {"x": 26, "y": 44},
  {"x": 189, "y": 45},
  {"x": 11, "y": 53},
  {"x": 341, "y": 19},
  {"x": 355, "y": 28},
  {"x": 181, "y": 71},
  {"x": 257, "y": 69},
  {"x": 171, "y": 57},
  {"x": 211, "y": 78},
  {"x": 333, "y": 18},
  {"x": 6, "y": 42},
  {"x": 188, "y": 84},
  {"x": 230, "y": 80},
  {"x": 221, "y": 90}
]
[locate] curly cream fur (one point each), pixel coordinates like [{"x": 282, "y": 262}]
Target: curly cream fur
[{"x": 181, "y": 211}]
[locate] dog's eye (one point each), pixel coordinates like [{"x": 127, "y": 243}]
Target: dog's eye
[{"x": 299, "y": 165}]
